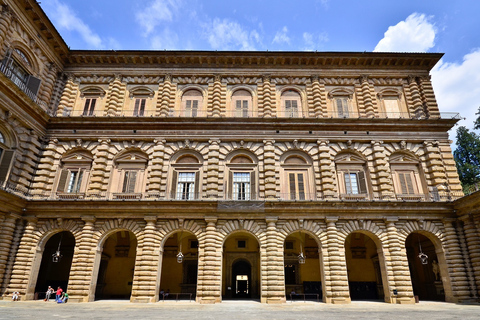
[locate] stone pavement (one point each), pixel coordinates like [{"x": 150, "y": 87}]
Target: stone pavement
[{"x": 233, "y": 310}]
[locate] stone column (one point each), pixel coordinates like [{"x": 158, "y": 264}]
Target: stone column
[
  {"x": 326, "y": 175},
  {"x": 417, "y": 105},
  {"x": 83, "y": 265},
  {"x": 383, "y": 185},
  {"x": 21, "y": 279},
  {"x": 6, "y": 19},
  {"x": 368, "y": 98},
  {"x": 473, "y": 245},
  {"x": 275, "y": 288},
  {"x": 213, "y": 169},
  {"x": 210, "y": 265},
  {"x": 466, "y": 258},
  {"x": 115, "y": 98},
  {"x": 6, "y": 238},
  {"x": 400, "y": 273},
  {"x": 456, "y": 266},
  {"x": 67, "y": 100},
  {"x": 270, "y": 176},
  {"x": 147, "y": 269},
  {"x": 217, "y": 93},
  {"x": 155, "y": 183},
  {"x": 336, "y": 265}
]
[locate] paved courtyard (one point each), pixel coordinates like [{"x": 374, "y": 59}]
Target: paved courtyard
[{"x": 233, "y": 310}]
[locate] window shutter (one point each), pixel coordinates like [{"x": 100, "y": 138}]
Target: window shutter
[
  {"x": 62, "y": 181},
  {"x": 92, "y": 106},
  {"x": 348, "y": 183},
  {"x": 135, "y": 110},
  {"x": 5, "y": 164},
  {"x": 253, "y": 193},
  {"x": 230, "y": 185},
  {"x": 408, "y": 179},
  {"x": 86, "y": 107},
  {"x": 142, "y": 106},
  {"x": 362, "y": 182},
  {"x": 294, "y": 108},
  {"x": 238, "y": 104},
  {"x": 188, "y": 105},
  {"x": 339, "y": 107},
  {"x": 33, "y": 84},
  {"x": 173, "y": 191},
  {"x": 301, "y": 186},
  {"x": 291, "y": 178},
  {"x": 132, "y": 179},
  {"x": 197, "y": 185},
  {"x": 403, "y": 183}
]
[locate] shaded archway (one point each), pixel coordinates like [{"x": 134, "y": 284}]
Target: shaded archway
[
  {"x": 241, "y": 267},
  {"x": 364, "y": 267},
  {"x": 117, "y": 265},
  {"x": 303, "y": 274},
  {"x": 426, "y": 275},
  {"x": 179, "y": 267},
  {"x": 54, "y": 269}
]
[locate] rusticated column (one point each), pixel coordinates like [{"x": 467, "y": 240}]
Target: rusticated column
[
  {"x": 164, "y": 96},
  {"x": 145, "y": 280},
  {"x": 466, "y": 258},
  {"x": 428, "y": 97},
  {"x": 416, "y": 108},
  {"x": 336, "y": 265},
  {"x": 28, "y": 251},
  {"x": 266, "y": 98},
  {"x": 368, "y": 98},
  {"x": 399, "y": 263},
  {"x": 6, "y": 19},
  {"x": 68, "y": 97},
  {"x": 275, "y": 291},
  {"x": 115, "y": 97},
  {"x": 210, "y": 265},
  {"x": 382, "y": 182},
  {"x": 213, "y": 168},
  {"x": 326, "y": 175},
  {"x": 473, "y": 244},
  {"x": 434, "y": 165},
  {"x": 318, "y": 96},
  {"x": 155, "y": 182},
  {"x": 269, "y": 169},
  {"x": 99, "y": 169},
  {"x": 217, "y": 97},
  {"x": 83, "y": 265},
  {"x": 49, "y": 75},
  {"x": 6, "y": 238}
]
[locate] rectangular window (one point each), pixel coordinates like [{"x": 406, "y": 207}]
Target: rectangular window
[
  {"x": 186, "y": 186},
  {"x": 406, "y": 182},
  {"x": 297, "y": 186},
  {"x": 241, "y": 186},
  {"x": 241, "y": 108},
  {"x": 129, "y": 181},
  {"x": 291, "y": 108},
  {"x": 74, "y": 181},
  {"x": 191, "y": 108},
  {"x": 342, "y": 107},
  {"x": 89, "y": 107},
  {"x": 139, "y": 109},
  {"x": 392, "y": 109},
  {"x": 355, "y": 182}
]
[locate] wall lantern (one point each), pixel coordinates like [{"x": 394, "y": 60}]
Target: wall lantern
[{"x": 57, "y": 256}]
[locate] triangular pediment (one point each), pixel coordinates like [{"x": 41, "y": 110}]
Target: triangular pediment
[
  {"x": 349, "y": 158},
  {"x": 403, "y": 158},
  {"x": 134, "y": 156},
  {"x": 78, "y": 156}
]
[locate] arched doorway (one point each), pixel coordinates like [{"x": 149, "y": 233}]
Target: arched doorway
[
  {"x": 364, "y": 267},
  {"x": 426, "y": 275},
  {"x": 117, "y": 265},
  {"x": 54, "y": 269},
  {"x": 241, "y": 267},
  {"x": 179, "y": 267},
  {"x": 302, "y": 267}
]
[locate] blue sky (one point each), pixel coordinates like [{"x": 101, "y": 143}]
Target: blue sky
[{"x": 451, "y": 27}]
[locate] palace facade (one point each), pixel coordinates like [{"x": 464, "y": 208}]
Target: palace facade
[{"x": 226, "y": 175}]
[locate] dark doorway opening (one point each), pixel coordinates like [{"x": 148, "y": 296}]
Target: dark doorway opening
[{"x": 241, "y": 280}]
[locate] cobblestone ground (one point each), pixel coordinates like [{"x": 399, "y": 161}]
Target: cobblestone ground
[{"x": 233, "y": 310}]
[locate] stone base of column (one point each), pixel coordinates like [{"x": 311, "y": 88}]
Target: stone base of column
[
  {"x": 275, "y": 300},
  {"x": 141, "y": 300},
  {"x": 209, "y": 300},
  {"x": 402, "y": 300},
  {"x": 338, "y": 300}
]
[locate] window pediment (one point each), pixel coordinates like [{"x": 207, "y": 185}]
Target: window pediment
[
  {"x": 132, "y": 157},
  {"x": 78, "y": 157},
  {"x": 403, "y": 159},
  {"x": 340, "y": 92},
  {"x": 92, "y": 92},
  {"x": 187, "y": 159},
  {"x": 349, "y": 158},
  {"x": 389, "y": 93},
  {"x": 142, "y": 91}
]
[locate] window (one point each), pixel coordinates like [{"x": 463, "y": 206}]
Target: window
[
  {"x": 241, "y": 102},
  {"x": 241, "y": 178},
  {"x": 72, "y": 181},
  {"x": 291, "y": 102},
  {"x": 139, "y": 109},
  {"x": 341, "y": 104},
  {"x": 129, "y": 174},
  {"x": 352, "y": 176},
  {"x": 408, "y": 180},
  {"x": 186, "y": 186},
  {"x": 241, "y": 186},
  {"x": 17, "y": 67},
  {"x": 129, "y": 181},
  {"x": 191, "y": 101},
  {"x": 297, "y": 186},
  {"x": 241, "y": 244},
  {"x": 391, "y": 107},
  {"x": 89, "y": 107},
  {"x": 389, "y": 99}
]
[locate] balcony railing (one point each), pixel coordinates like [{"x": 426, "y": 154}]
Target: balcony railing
[
  {"x": 149, "y": 113},
  {"x": 20, "y": 83},
  {"x": 163, "y": 196}
]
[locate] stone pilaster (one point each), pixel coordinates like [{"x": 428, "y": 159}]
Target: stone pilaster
[
  {"x": 155, "y": 183},
  {"x": 67, "y": 100},
  {"x": 99, "y": 171},
  {"x": 382, "y": 184},
  {"x": 49, "y": 77},
  {"x": 275, "y": 289},
  {"x": 269, "y": 169},
  {"x": 6, "y": 20},
  {"x": 217, "y": 97},
  {"x": 115, "y": 98},
  {"x": 368, "y": 98},
  {"x": 266, "y": 98},
  {"x": 209, "y": 287},
  {"x": 83, "y": 264},
  {"x": 213, "y": 168},
  {"x": 336, "y": 266},
  {"x": 163, "y": 100},
  {"x": 428, "y": 97},
  {"x": 416, "y": 108},
  {"x": 434, "y": 165},
  {"x": 473, "y": 244},
  {"x": 145, "y": 280},
  {"x": 399, "y": 275},
  {"x": 459, "y": 226},
  {"x": 7, "y": 228},
  {"x": 327, "y": 181},
  {"x": 318, "y": 97},
  {"x": 45, "y": 172}
]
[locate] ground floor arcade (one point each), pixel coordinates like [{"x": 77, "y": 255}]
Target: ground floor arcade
[{"x": 269, "y": 259}]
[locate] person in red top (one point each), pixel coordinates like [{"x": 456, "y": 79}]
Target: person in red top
[{"x": 58, "y": 294}]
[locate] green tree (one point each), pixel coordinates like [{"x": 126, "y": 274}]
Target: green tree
[{"x": 467, "y": 154}]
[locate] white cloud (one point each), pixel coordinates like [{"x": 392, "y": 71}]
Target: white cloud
[
  {"x": 155, "y": 13},
  {"x": 415, "y": 34},
  {"x": 230, "y": 35},
  {"x": 64, "y": 18},
  {"x": 457, "y": 87},
  {"x": 281, "y": 36},
  {"x": 313, "y": 42},
  {"x": 167, "y": 40}
]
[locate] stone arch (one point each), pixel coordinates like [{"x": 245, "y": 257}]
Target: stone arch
[
  {"x": 32, "y": 58},
  {"x": 172, "y": 226},
  {"x": 241, "y": 152},
  {"x": 92, "y": 90},
  {"x": 186, "y": 152},
  {"x": 309, "y": 226},
  {"x": 241, "y": 87},
  {"x": 370, "y": 227},
  {"x": 249, "y": 226},
  {"x": 9, "y": 134},
  {"x": 202, "y": 90},
  {"x": 342, "y": 91},
  {"x": 296, "y": 153}
]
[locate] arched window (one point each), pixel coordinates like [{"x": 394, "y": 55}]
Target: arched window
[
  {"x": 390, "y": 102},
  {"x": 141, "y": 99},
  {"x": 18, "y": 67},
  {"x": 291, "y": 103},
  {"x": 186, "y": 178},
  {"x": 192, "y": 101},
  {"x": 74, "y": 174},
  {"x": 352, "y": 175},
  {"x": 242, "y": 103},
  {"x": 91, "y": 97},
  {"x": 128, "y": 178},
  {"x": 296, "y": 177},
  {"x": 342, "y": 103},
  {"x": 241, "y": 177},
  {"x": 408, "y": 180}
]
